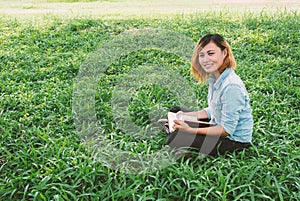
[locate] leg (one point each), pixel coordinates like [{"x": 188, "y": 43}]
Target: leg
[
  {"x": 202, "y": 143},
  {"x": 178, "y": 108},
  {"x": 229, "y": 146}
]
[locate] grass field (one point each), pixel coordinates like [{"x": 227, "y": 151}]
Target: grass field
[{"x": 42, "y": 156}]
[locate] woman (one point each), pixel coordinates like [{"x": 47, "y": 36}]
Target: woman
[{"x": 228, "y": 103}]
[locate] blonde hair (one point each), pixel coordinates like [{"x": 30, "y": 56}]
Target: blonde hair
[{"x": 229, "y": 61}]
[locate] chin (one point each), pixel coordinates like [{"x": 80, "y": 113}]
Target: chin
[{"x": 210, "y": 71}]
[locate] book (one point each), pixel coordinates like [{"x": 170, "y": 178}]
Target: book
[{"x": 192, "y": 121}]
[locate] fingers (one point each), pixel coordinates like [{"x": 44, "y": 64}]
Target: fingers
[
  {"x": 176, "y": 121},
  {"x": 177, "y": 124},
  {"x": 176, "y": 127}
]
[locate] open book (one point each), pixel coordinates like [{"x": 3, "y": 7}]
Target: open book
[{"x": 192, "y": 121}]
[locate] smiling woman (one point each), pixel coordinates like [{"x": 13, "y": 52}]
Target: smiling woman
[
  {"x": 228, "y": 103},
  {"x": 212, "y": 55}
]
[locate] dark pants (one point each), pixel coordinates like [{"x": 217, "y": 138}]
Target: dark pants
[{"x": 210, "y": 145}]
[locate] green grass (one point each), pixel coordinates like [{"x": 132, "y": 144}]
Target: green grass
[{"x": 42, "y": 157}]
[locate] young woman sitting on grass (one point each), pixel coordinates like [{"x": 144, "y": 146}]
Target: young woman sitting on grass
[{"x": 228, "y": 103}]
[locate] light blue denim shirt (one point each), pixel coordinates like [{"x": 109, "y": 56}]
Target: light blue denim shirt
[{"x": 228, "y": 106}]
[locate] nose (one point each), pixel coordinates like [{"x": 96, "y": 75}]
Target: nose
[{"x": 205, "y": 59}]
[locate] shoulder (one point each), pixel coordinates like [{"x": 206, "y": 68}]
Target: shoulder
[
  {"x": 234, "y": 84},
  {"x": 233, "y": 78}
]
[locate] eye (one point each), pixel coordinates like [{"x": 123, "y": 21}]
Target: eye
[{"x": 211, "y": 53}]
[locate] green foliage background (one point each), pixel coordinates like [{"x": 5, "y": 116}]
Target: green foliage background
[{"x": 41, "y": 157}]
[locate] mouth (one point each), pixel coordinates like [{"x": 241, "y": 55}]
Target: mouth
[{"x": 208, "y": 66}]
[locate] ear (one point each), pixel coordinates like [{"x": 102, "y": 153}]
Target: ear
[{"x": 225, "y": 52}]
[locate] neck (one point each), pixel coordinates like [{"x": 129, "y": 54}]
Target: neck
[{"x": 216, "y": 74}]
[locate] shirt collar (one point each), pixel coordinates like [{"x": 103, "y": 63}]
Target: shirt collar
[{"x": 217, "y": 83}]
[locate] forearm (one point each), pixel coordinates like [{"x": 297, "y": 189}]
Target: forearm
[
  {"x": 199, "y": 114},
  {"x": 214, "y": 130}
]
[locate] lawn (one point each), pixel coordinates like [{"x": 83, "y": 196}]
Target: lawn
[{"x": 68, "y": 80}]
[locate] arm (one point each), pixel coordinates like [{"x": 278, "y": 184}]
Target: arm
[
  {"x": 214, "y": 130},
  {"x": 233, "y": 101},
  {"x": 202, "y": 114}
]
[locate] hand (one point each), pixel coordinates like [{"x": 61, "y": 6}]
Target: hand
[{"x": 182, "y": 126}]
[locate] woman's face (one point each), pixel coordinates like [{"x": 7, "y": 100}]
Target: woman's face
[{"x": 211, "y": 58}]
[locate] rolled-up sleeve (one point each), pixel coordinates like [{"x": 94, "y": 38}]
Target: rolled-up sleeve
[
  {"x": 233, "y": 102},
  {"x": 208, "y": 112}
]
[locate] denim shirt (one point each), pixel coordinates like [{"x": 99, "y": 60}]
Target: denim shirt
[{"x": 228, "y": 106}]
